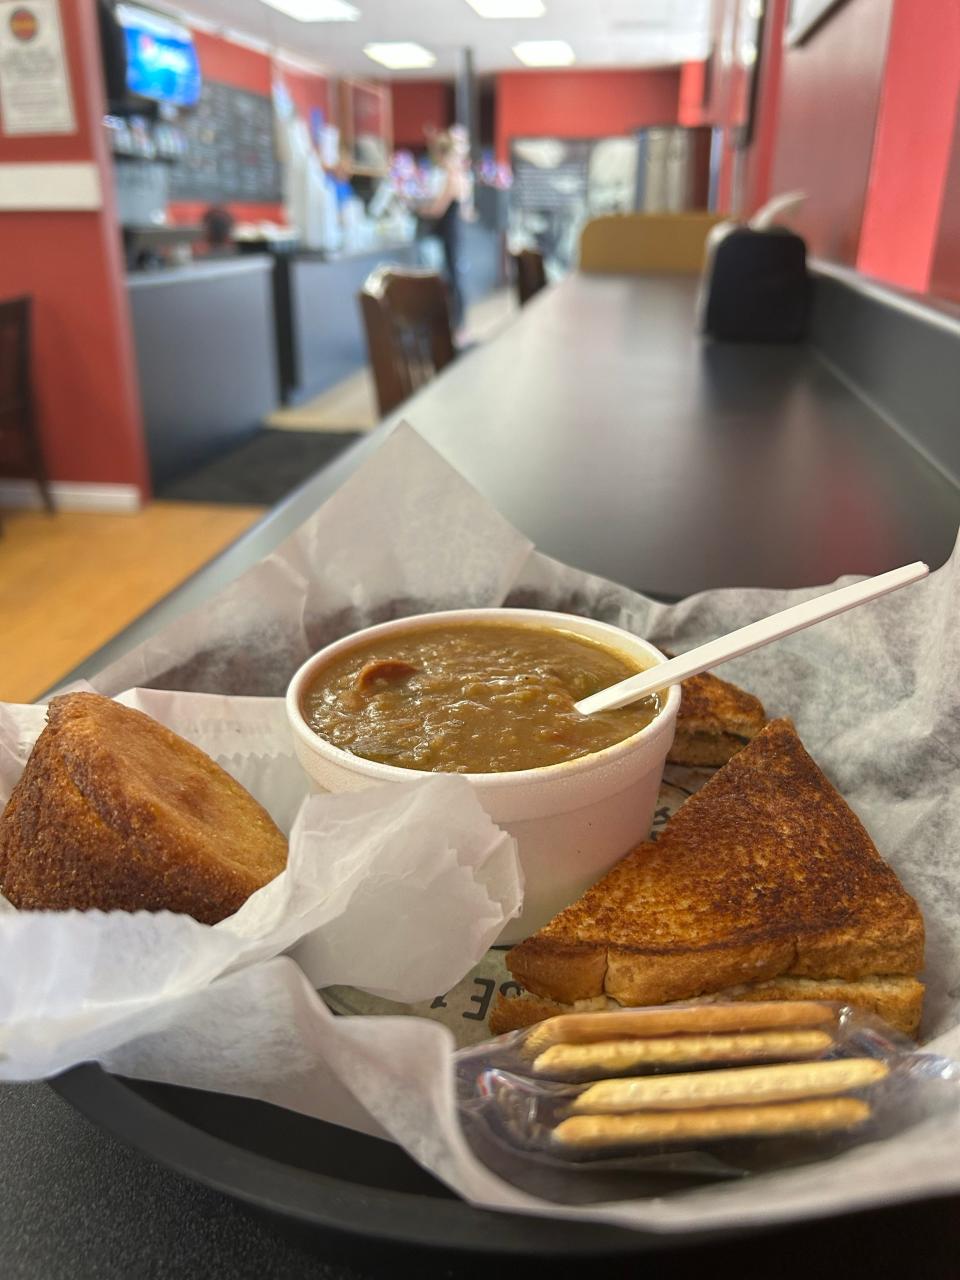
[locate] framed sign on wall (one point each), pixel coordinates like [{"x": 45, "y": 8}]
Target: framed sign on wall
[
  {"x": 366, "y": 127},
  {"x": 35, "y": 95}
]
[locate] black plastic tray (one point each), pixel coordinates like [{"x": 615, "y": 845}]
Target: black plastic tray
[
  {"x": 335, "y": 1183},
  {"x": 321, "y": 1175}
]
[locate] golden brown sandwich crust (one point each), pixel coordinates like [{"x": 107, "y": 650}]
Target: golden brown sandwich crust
[
  {"x": 765, "y": 871},
  {"x": 565, "y": 969},
  {"x": 716, "y": 719},
  {"x": 114, "y": 811},
  {"x": 896, "y": 998},
  {"x": 511, "y": 1013},
  {"x": 697, "y": 749}
]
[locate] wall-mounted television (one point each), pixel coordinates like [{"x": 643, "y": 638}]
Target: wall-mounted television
[{"x": 162, "y": 62}]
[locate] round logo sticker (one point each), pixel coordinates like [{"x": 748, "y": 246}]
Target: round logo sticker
[{"x": 23, "y": 24}]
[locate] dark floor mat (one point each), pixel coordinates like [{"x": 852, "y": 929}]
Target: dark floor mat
[{"x": 262, "y": 470}]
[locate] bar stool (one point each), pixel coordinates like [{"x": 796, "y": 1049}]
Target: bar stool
[
  {"x": 409, "y": 338},
  {"x": 20, "y": 451}
]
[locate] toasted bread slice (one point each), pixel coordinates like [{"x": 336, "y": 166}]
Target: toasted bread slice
[
  {"x": 896, "y": 998},
  {"x": 765, "y": 872},
  {"x": 116, "y": 812},
  {"x": 715, "y": 721}
]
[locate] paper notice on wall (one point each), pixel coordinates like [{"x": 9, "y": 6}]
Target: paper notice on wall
[{"x": 34, "y": 84}]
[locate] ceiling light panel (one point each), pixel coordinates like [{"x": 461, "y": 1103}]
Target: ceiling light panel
[
  {"x": 544, "y": 53},
  {"x": 316, "y": 10},
  {"x": 400, "y": 55},
  {"x": 508, "y": 8}
]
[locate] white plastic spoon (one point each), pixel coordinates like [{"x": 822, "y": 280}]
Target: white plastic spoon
[{"x": 754, "y": 636}]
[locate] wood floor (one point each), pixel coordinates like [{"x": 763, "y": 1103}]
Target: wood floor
[
  {"x": 70, "y": 582},
  {"x": 351, "y": 405}
]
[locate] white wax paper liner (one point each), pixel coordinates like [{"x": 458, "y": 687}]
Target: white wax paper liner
[{"x": 874, "y": 695}]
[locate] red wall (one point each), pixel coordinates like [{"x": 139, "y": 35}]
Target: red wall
[
  {"x": 915, "y": 128},
  {"x": 863, "y": 117},
  {"x": 829, "y": 99},
  {"x": 582, "y": 104},
  {"x": 419, "y": 105},
  {"x": 87, "y": 398},
  {"x": 691, "y": 103},
  {"x": 231, "y": 63},
  {"x": 945, "y": 268},
  {"x": 309, "y": 92}
]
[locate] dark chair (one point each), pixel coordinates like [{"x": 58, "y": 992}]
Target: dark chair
[
  {"x": 20, "y": 452},
  {"x": 529, "y": 274},
  {"x": 407, "y": 319}
]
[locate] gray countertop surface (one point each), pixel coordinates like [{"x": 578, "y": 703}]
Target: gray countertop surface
[
  {"x": 78, "y": 1204},
  {"x": 606, "y": 429},
  {"x": 199, "y": 271}
]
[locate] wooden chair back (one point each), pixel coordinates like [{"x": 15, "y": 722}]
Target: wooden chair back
[
  {"x": 646, "y": 242},
  {"x": 20, "y": 452},
  {"x": 529, "y": 274},
  {"x": 409, "y": 338}
]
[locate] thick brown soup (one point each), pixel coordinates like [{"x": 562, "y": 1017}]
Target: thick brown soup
[{"x": 473, "y": 697}]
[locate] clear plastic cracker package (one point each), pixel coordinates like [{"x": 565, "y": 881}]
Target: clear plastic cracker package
[{"x": 598, "y": 1106}]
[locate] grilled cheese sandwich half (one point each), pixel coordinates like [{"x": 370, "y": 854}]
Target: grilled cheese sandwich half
[{"x": 764, "y": 885}]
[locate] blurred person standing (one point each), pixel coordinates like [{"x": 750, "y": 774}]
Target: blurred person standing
[{"x": 441, "y": 212}]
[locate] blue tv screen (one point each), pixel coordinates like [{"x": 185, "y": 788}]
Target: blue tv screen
[{"x": 162, "y": 61}]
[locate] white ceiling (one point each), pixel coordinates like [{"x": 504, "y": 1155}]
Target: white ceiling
[{"x": 604, "y": 33}]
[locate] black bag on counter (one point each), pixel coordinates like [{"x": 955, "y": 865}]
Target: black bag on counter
[{"x": 756, "y": 287}]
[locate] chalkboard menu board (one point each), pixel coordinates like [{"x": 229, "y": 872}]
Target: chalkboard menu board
[{"x": 230, "y": 152}]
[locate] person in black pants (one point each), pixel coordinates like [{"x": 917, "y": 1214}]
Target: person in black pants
[
  {"x": 440, "y": 215},
  {"x": 448, "y": 230}
]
